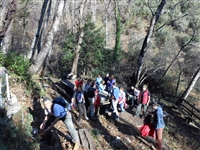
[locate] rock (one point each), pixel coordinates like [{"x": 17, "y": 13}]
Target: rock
[{"x": 13, "y": 106}]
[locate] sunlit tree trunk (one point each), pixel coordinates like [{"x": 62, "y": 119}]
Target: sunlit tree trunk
[
  {"x": 7, "y": 12},
  {"x": 191, "y": 84},
  {"x": 36, "y": 44},
  {"x": 81, "y": 26},
  {"x": 147, "y": 39},
  {"x": 94, "y": 7},
  {"x": 45, "y": 52},
  {"x": 106, "y": 21}
]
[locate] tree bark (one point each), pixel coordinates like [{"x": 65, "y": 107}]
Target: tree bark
[
  {"x": 106, "y": 23},
  {"x": 36, "y": 44},
  {"x": 7, "y": 13},
  {"x": 147, "y": 40},
  {"x": 94, "y": 7},
  {"x": 191, "y": 84},
  {"x": 118, "y": 32},
  {"x": 81, "y": 26},
  {"x": 46, "y": 50}
]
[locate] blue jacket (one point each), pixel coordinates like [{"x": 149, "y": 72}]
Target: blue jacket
[
  {"x": 59, "y": 111},
  {"x": 115, "y": 93},
  {"x": 158, "y": 118}
]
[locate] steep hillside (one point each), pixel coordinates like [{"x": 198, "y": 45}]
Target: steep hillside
[{"x": 108, "y": 134}]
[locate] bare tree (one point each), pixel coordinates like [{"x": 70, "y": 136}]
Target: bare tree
[
  {"x": 94, "y": 7},
  {"x": 147, "y": 39},
  {"x": 191, "y": 84},
  {"x": 176, "y": 56},
  {"x": 80, "y": 40},
  {"x": 36, "y": 44},
  {"x": 43, "y": 55},
  {"x": 7, "y": 12}
]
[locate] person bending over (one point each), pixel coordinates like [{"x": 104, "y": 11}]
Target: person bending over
[{"x": 54, "y": 113}]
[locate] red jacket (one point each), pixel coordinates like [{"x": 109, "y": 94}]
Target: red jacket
[
  {"x": 79, "y": 83},
  {"x": 143, "y": 97}
]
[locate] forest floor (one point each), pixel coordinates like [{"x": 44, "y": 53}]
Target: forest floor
[{"x": 108, "y": 134}]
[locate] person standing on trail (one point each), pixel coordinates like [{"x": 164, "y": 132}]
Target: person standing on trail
[
  {"x": 122, "y": 99},
  {"x": 110, "y": 82},
  {"x": 114, "y": 99},
  {"x": 106, "y": 79},
  {"x": 143, "y": 100},
  {"x": 159, "y": 124},
  {"x": 54, "y": 113},
  {"x": 78, "y": 83},
  {"x": 91, "y": 97},
  {"x": 80, "y": 101},
  {"x": 98, "y": 81}
]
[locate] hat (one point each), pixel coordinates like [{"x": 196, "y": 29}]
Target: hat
[{"x": 154, "y": 103}]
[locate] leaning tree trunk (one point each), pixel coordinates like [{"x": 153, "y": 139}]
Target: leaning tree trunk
[
  {"x": 147, "y": 40},
  {"x": 7, "y": 12},
  {"x": 45, "y": 52},
  {"x": 36, "y": 44},
  {"x": 191, "y": 84},
  {"x": 77, "y": 51}
]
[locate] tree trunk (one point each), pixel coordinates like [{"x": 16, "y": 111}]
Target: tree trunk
[
  {"x": 191, "y": 84},
  {"x": 176, "y": 56},
  {"x": 94, "y": 7},
  {"x": 118, "y": 32},
  {"x": 147, "y": 40},
  {"x": 7, "y": 13},
  {"x": 46, "y": 50},
  {"x": 36, "y": 44},
  {"x": 106, "y": 21},
  {"x": 81, "y": 26}
]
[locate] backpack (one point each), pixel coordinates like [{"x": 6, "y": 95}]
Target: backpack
[
  {"x": 91, "y": 92},
  {"x": 61, "y": 101}
]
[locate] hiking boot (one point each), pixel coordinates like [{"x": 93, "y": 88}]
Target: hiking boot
[{"x": 76, "y": 146}]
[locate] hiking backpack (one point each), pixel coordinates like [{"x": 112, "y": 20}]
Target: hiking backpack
[{"x": 61, "y": 101}]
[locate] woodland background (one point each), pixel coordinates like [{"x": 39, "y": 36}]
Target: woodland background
[
  {"x": 149, "y": 41},
  {"x": 154, "y": 41}
]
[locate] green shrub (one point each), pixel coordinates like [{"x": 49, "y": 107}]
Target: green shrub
[{"x": 15, "y": 63}]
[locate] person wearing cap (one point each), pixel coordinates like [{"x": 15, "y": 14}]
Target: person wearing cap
[
  {"x": 143, "y": 100},
  {"x": 159, "y": 124},
  {"x": 54, "y": 113}
]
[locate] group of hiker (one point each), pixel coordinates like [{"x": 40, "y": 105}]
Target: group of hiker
[{"x": 118, "y": 98}]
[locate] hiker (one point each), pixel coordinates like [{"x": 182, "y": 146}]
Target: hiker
[
  {"x": 54, "y": 113},
  {"x": 78, "y": 83},
  {"x": 114, "y": 99},
  {"x": 87, "y": 85},
  {"x": 122, "y": 99},
  {"x": 143, "y": 100},
  {"x": 106, "y": 79},
  {"x": 133, "y": 94},
  {"x": 101, "y": 88},
  {"x": 159, "y": 124},
  {"x": 91, "y": 97},
  {"x": 80, "y": 101},
  {"x": 98, "y": 81},
  {"x": 111, "y": 81}
]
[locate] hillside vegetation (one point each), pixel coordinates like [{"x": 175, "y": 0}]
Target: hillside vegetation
[{"x": 155, "y": 42}]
